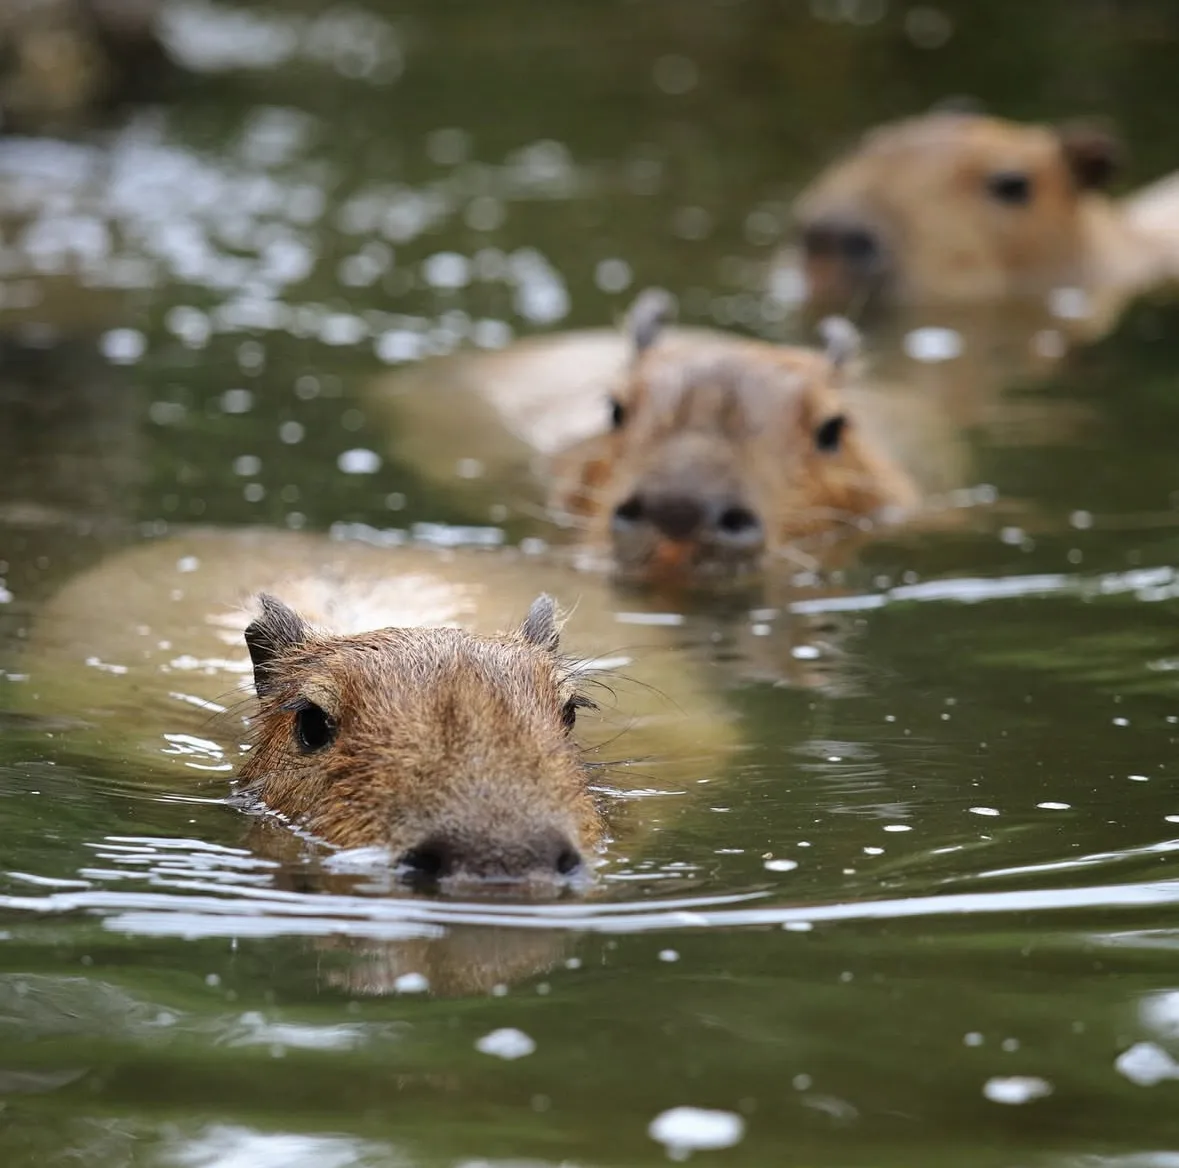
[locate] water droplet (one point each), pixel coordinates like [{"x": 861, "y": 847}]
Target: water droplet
[
  {"x": 933, "y": 344},
  {"x": 411, "y": 983},
  {"x": 683, "y": 1130},
  {"x": 1016, "y": 1089},
  {"x": 124, "y": 346},
  {"x": 359, "y": 462},
  {"x": 237, "y": 401},
  {"x": 507, "y": 1043}
]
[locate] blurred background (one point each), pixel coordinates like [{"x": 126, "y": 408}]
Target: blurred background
[{"x": 219, "y": 218}]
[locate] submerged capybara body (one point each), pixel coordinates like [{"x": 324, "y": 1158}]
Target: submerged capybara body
[
  {"x": 404, "y": 700},
  {"x": 953, "y": 208},
  {"x": 722, "y": 450}
]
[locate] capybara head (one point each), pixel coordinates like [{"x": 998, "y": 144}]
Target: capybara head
[
  {"x": 721, "y": 450},
  {"x": 451, "y": 750},
  {"x": 953, "y": 207}
]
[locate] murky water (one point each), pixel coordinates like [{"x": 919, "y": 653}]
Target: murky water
[{"x": 917, "y": 907}]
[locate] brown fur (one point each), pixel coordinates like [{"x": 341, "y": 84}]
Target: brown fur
[
  {"x": 442, "y": 742},
  {"x": 941, "y": 216},
  {"x": 724, "y": 422}
]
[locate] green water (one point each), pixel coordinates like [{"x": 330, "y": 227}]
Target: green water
[{"x": 973, "y": 960}]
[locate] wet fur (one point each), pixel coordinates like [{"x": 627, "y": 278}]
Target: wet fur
[{"x": 438, "y": 732}]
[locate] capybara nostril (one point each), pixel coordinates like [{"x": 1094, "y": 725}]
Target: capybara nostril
[
  {"x": 431, "y": 860},
  {"x": 569, "y": 862},
  {"x": 738, "y": 522},
  {"x": 832, "y": 239},
  {"x": 629, "y": 511},
  {"x": 820, "y": 240},
  {"x": 858, "y": 246}
]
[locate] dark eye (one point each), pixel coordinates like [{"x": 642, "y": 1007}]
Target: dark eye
[
  {"x": 1010, "y": 186},
  {"x": 829, "y": 433},
  {"x": 314, "y": 728},
  {"x": 617, "y": 413}
]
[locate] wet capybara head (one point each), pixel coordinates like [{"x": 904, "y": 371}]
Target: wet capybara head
[
  {"x": 953, "y": 207},
  {"x": 452, "y": 751},
  {"x": 721, "y": 450}
]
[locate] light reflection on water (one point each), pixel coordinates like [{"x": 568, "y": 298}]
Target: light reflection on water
[{"x": 224, "y": 892}]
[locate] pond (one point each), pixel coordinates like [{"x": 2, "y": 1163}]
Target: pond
[{"x": 915, "y": 906}]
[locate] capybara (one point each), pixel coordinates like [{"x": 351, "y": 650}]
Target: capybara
[
  {"x": 62, "y": 58},
  {"x": 757, "y": 446},
  {"x": 722, "y": 450},
  {"x": 415, "y": 724},
  {"x": 951, "y": 208},
  {"x": 451, "y": 749}
]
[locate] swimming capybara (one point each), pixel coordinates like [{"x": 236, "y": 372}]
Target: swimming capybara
[
  {"x": 433, "y": 720},
  {"x": 451, "y": 749},
  {"x": 952, "y": 208},
  {"x": 723, "y": 450}
]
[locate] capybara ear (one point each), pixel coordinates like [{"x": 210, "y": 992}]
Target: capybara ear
[
  {"x": 270, "y": 635},
  {"x": 540, "y": 625},
  {"x": 965, "y": 104},
  {"x": 841, "y": 339},
  {"x": 652, "y": 310},
  {"x": 829, "y": 433},
  {"x": 1093, "y": 151}
]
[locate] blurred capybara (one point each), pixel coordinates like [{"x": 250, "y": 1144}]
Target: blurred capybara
[
  {"x": 962, "y": 208},
  {"x": 60, "y": 59},
  {"x": 722, "y": 450}
]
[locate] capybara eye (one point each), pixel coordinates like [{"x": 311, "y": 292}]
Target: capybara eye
[
  {"x": 1010, "y": 186},
  {"x": 617, "y": 413},
  {"x": 314, "y": 728},
  {"x": 829, "y": 433}
]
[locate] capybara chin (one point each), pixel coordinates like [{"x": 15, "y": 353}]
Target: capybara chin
[
  {"x": 953, "y": 208},
  {"x": 450, "y": 749},
  {"x": 723, "y": 451}
]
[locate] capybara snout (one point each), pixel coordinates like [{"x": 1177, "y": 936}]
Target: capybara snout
[
  {"x": 534, "y": 854},
  {"x": 691, "y": 495},
  {"x": 451, "y": 750}
]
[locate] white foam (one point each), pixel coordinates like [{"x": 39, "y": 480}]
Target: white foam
[{"x": 683, "y": 1130}]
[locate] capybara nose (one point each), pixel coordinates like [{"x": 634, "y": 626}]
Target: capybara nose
[
  {"x": 675, "y": 516},
  {"x": 681, "y": 517},
  {"x": 835, "y": 239},
  {"x": 545, "y": 855}
]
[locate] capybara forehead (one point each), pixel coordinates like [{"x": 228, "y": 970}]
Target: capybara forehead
[
  {"x": 722, "y": 393},
  {"x": 963, "y": 138},
  {"x": 422, "y": 668}
]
